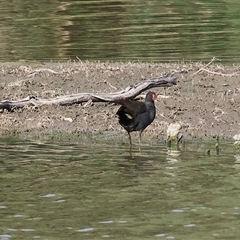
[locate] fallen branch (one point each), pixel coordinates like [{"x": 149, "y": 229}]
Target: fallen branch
[{"x": 129, "y": 93}]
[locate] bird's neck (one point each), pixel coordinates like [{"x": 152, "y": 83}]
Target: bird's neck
[{"x": 150, "y": 105}]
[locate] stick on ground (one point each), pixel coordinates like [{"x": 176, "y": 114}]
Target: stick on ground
[{"x": 129, "y": 93}]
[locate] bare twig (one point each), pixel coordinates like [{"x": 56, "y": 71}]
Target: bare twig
[
  {"x": 110, "y": 85},
  {"x": 217, "y": 73},
  {"x": 203, "y": 68},
  {"x": 34, "y": 72}
]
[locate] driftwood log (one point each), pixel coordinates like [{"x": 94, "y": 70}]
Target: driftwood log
[{"x": 129, "y": 93}]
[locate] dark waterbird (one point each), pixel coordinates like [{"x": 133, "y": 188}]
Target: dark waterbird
[{"x": 136, "y": 116}]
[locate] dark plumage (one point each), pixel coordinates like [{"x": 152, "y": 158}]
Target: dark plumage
[{"x": 136, "y": 116}]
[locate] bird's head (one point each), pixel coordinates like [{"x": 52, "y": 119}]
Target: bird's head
[{"x": 151, "y": 97}]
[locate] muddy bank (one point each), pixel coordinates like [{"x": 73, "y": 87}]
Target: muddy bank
[{"x": 205, "y": 101}]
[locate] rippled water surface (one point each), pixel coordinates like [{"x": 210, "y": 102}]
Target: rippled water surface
[
  {"x": 155, "y": 30},
  {"x": 61, "y": 190}
]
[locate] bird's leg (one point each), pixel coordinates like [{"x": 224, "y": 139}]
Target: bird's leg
[
  {"x": 140, "y": 136},
  {"x": 129, "y": 137},
  {"x": 130, "y": 151}
]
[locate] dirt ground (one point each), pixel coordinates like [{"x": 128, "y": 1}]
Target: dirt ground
[{"x": 205, "y": 101}]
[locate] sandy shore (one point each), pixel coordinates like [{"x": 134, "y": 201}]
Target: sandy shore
[{"x": 205, "y": 101}]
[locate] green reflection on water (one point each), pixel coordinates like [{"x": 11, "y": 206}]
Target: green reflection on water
[
  {"x": 59, "y": 190},
  {"x": 120, "y": 30}
]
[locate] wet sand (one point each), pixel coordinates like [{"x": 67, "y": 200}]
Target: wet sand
[{"x": 205, "y": 101}]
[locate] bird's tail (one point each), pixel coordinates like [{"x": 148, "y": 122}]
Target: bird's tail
[{"x": 124, "y": 120}]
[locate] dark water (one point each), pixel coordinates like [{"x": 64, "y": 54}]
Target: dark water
[
  {"x": 61, "y": 190},
  {"x": 153, "y": 30}
]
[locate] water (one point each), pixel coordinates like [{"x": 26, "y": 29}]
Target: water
[
  {"x": 124, "y": 30},
  {"x": 64, "y": 190}
]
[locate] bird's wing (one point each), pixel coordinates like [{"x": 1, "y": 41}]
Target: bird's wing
[{"x": 133, "y": 108}]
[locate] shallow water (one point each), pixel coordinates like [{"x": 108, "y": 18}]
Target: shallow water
[
  {"x": 64, "y": 190},
  {"x": 124, "y": 30}
]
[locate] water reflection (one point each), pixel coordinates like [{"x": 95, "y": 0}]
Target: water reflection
[
  {"x": 63, "y": 190},
  {"x": 120, "y": 30}
]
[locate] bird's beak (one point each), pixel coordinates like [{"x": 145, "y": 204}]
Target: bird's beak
[{"x": 154, "y": 97}]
